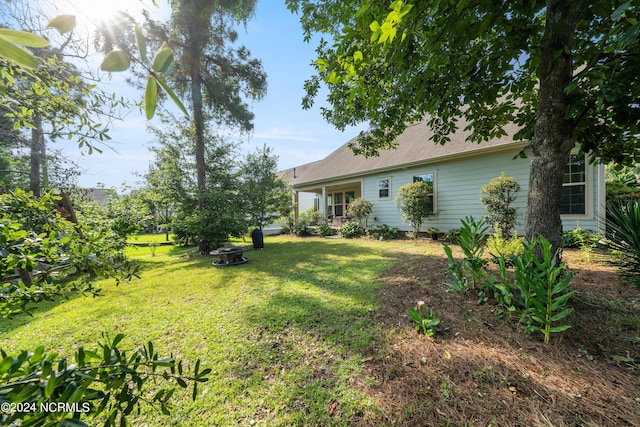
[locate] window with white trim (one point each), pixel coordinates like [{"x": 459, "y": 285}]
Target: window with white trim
[
  {"x": 384, "y": 188},
  {"x": 573, "y": 200},
  {"x": 429, "y": 179}
]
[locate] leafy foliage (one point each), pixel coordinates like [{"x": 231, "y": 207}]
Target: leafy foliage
[
  {"x": 359, "y": 210},
  {"x": 500, "y": 247},
  {"x": 425, "y": 319},
  {"x": 382, "y": 232},
  {"x": 543, "y": 286},
  {"x": 497, "y": 198},
  {"x": 540, "y": 295},
  {"x": 350, "y": 230},
  {"x": 415, "y": 200},
  {"x": 105, "y": 382},
  {"x": 267, "y": 195},
  {"x": 623, "y": 234},
  {"x": 472, "y": 242},
  {"x": 36, "y": 242}
]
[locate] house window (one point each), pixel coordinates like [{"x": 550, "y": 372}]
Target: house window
[
  {"x": 384, "y": 188},
  {"x": 574, "y": 186},
  {"x": 428, "y": 178}
]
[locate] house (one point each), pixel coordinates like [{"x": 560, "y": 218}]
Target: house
[{"x": 457, "y": 171}]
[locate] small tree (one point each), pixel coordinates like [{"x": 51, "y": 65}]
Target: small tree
[
  {"x": 359, "y": 211},
  {"x": 497, "y": 198},
  {"x": 266, "y": 193},
  {"x": 415, "y": 200}
]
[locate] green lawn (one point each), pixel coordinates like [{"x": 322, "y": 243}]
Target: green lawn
[
  {"x": 155, "y": 237},
  {"x": 284, "y": 333}
]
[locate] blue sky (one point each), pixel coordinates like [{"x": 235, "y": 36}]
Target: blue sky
[{"x": 297, "y": 136}]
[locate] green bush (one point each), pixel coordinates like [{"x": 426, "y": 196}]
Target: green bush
[
  {"x": 302, "y": 229},
  {"x": 350, "y": 229},
  {"x": 497, "y": 198},
  {"x": 507, "y": 248},
  {"x": 623, "y": 235},
  {"x": 359, "y": 211},
  {"x": 415, "y": 201},
  {"x": 452, "y": 236},
  {"x": 579, "y": 238},
  {"x": 312, "y": 217},
  {"x": 325, "y": 230},
  {"x": 382, "y": 232}
]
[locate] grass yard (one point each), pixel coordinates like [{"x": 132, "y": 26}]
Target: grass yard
[
  {"x": 284, "y": 333},
  {"x": 316, "y": 332}
]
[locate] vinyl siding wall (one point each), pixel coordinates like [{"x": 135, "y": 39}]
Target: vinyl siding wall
[{"x": 458, "y": 189}]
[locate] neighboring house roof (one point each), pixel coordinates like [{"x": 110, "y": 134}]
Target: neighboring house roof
[
  {"x": 99, "y": 195},
  {"x": 414, "y": 147}
]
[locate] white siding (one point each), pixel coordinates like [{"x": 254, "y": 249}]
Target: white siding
[{"x": 458, "y": 189}]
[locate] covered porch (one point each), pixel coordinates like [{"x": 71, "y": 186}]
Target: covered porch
[{"x": 331, "y": 200}]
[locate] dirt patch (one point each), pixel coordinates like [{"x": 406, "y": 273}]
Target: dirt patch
[{"x": 481, "y": 369}]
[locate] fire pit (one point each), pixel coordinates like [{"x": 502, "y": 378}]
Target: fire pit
[{"x": 229, "y": 255}]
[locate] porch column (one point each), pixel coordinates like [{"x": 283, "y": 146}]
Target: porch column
[
  {"x": 323, "y": 202},
  {"x": 296, "y": 200}
]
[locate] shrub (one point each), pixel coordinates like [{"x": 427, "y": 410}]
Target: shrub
[
  {"x": 359, "y": 211},
  {"x": 302, "y": 229},
  {"x": 507, "y": 248},
  {"x": 312, "y": 217},
  {"x": 498, "y": 196},
  {"x": 452, "y": 236},
  {"x": 325, "y": 230},
  {"x": 350, "y": 229},
  {"x": 382, "y": 232},
  {"x": 623, "y": 234},
  {"x": 578, "y": 238},
  {"x": 415, "y": 200}
]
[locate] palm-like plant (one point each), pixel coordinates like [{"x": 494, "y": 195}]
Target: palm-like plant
[{"x": 623, "y": 235}]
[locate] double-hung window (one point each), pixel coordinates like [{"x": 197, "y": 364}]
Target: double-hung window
[
  {"x": 573, "y": 200},
  {"x": 429, "y": 179},
  {"x": 384, "y": 188}
]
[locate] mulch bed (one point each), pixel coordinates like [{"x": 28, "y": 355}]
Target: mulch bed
[{"x": 481, "y": 369}]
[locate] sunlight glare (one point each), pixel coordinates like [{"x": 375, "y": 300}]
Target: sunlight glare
[{"x": 90, "y": 13}]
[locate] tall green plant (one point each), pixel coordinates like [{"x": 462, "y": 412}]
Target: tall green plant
[
  {"x": 497, "y": 199},
  {"x": 359, "y": 210},
  {"x": 623, "y": 235},
  {"x": 472, "y": 242},
  {"x": 415, "y": 200},
  {"x": 543, "y": 285}
]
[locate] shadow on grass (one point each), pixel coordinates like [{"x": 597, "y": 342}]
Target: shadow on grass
[{"x": 313, "y": 323}]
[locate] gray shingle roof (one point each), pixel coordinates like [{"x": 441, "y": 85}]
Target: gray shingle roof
[{"x": 414, "y": 147}]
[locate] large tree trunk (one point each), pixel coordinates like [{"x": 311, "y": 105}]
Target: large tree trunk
[
  {"x": 553, "y": 138},
  {"x": 198, "y": 121},
  {"x": 35, "y": 157}
]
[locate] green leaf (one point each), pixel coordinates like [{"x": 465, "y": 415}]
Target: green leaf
[
  {"x": 617, "y": 14},
  {"x": 559, "y": 328},
  {"x": 63, "y": 23},
  {"x": 150, "y": 97},
  {"x": 141, "y": 42},
  {"x": 162, "y": 60},
  {"x": 357, "y": 56},
  {"x": 50, "y": 387},
  {"x": 116, "y": 60},
  {"x": 561, "y": 315},
  {"x": 23, "y": 38},
  {"x": 561, "y": 300},
  {"x": 16, "y": 54},
  {"x": 172, "y": 95}
]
